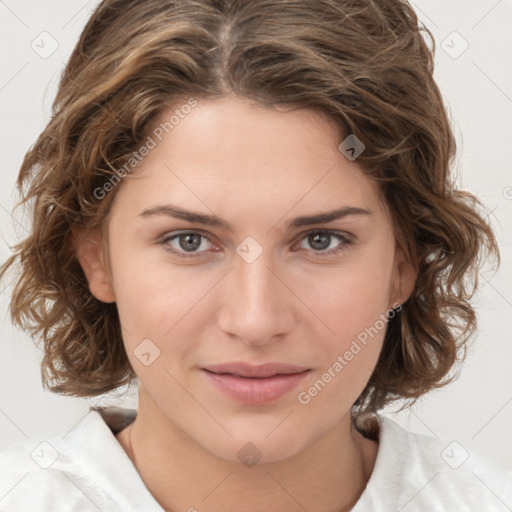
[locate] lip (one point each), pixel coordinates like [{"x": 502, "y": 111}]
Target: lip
[
  {"x": 243, "y": 369},
  {"x": 255, "y": 384}
]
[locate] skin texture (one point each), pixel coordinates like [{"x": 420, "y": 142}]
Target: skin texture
[{"x": 256, "y": 168}]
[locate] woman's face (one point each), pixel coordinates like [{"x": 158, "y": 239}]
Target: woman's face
[{"x": 270, "y": 288}]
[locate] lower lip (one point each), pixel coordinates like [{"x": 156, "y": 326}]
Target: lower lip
[{"x": 255, "y": 391}]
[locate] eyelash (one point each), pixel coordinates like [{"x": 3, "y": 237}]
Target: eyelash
[{"x": 345, "y": 241}]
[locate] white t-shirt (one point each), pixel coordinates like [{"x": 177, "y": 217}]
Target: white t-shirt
[{"x": 88, "y": 470}]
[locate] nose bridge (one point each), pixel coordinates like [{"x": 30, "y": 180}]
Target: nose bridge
[
  {"x": 255, "y": 307},
  {"x": 255, "y": 281}
]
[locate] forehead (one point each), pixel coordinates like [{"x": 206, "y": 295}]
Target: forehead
[{"x": 234, "y": 152}]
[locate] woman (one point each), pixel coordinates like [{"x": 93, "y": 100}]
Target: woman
[{"x": 247, "y": 208}]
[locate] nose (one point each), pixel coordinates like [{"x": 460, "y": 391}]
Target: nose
[{"x": 257, "y": 306}]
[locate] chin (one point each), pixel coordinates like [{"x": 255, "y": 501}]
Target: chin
[{"x": 251, "y": 446}]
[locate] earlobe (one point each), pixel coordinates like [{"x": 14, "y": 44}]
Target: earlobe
[{"x": 90, "y": 254}]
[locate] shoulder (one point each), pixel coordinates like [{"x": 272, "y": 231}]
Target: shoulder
[
  {"x": 39, "y": 476},
  {"x": 85, "y": 469},
  {"x": 417, "y": 472},
  {"x": 30, "y": 479}
]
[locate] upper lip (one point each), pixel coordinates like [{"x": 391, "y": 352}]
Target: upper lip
[{"x": 264, "y": 370}]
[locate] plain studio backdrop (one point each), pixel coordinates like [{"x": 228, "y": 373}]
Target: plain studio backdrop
[{"x": 473, "y": 56}]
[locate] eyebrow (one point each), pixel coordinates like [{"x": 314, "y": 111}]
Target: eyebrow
[{"x": 170, "y": 210}]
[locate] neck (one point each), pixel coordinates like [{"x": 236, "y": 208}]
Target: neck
[{"x": 328, "y": 476}]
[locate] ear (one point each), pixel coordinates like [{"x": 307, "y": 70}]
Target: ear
[
  {"x": 404, "y": 278},
  {"x": 89, "y": 251}
]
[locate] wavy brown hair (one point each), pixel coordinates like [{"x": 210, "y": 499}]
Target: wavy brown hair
[{"x": 368, "y": 65}]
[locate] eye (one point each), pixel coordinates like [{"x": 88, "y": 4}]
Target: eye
[
  {"x": 322, "y": 240},
  {"x": 191, "y": 244},
  {"x": 186, "y": 244}
]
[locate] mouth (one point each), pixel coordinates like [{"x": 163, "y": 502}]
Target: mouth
[
  {"x": 255, "y": 384},
  {"x": 242, "y": 369}
]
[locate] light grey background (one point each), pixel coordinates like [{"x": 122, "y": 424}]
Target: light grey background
[{"x": 476, "y": 410}]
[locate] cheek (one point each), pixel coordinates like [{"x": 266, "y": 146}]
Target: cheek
[
  {"x": 355, "y": 313},
  {"x": 147, "y": 287},
  {"x": 159, "y": 303},
  {"x": 157, "y": 308},
  {"x": 352, "y": 298},
  {"x": 352, "y": 305}
]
